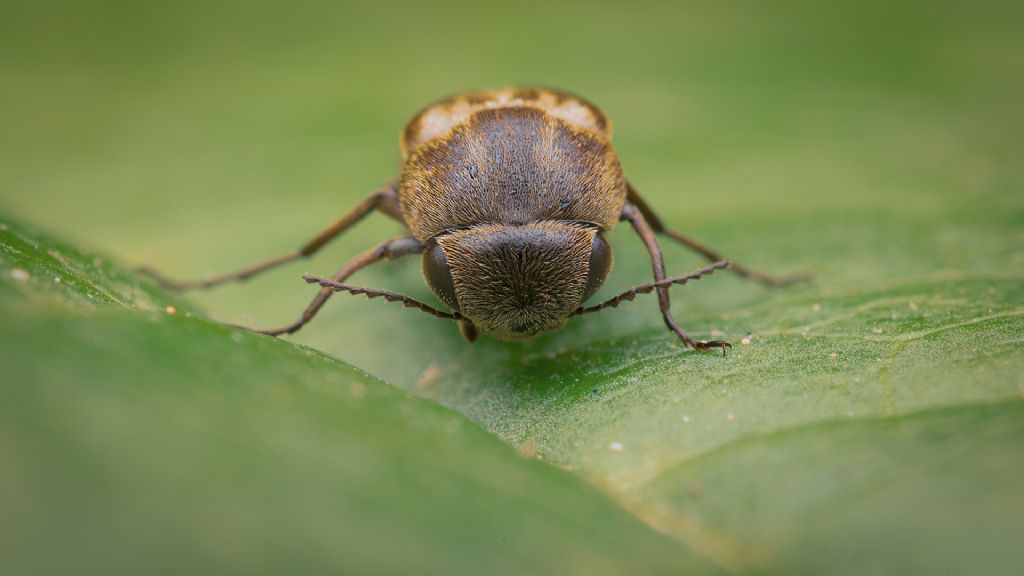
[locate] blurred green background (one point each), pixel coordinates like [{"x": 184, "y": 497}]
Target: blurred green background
[
  {"x": 196, "y": 136},
  {"x": 877, "y": 144}
]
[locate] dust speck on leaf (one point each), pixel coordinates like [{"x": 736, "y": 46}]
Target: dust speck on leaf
[
  {"x": 431, "y": 374},
  {"x": 528, "y": 449},
  {"x": 357, "y": 390}
]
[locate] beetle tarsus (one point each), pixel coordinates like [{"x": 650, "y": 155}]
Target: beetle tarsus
[
  {"x": 707, "y": 345},
  {"x": 163, "y": 281}
]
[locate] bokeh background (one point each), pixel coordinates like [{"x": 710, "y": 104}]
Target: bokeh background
[{"x": 876, "y": 144}]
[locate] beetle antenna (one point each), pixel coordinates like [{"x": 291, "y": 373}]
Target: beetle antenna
[
  {"x": 389, "y": 296},
  {"x": 632, "y": 293}
]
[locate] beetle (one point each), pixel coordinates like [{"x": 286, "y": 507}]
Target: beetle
[{"x": 507, "y": 194}]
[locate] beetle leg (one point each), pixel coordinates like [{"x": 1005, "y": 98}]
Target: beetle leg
[
  {"x": 384, "y": 200},
  {"x": 658, "y": 226},
  {"x": 468, "y": 330},
  {"x": 394, "y": 248},
  {"x": 633, "y": 214},
  {"x": 635, "y": 291}
]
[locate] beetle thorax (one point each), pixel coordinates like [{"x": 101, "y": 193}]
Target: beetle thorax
[{"x": 516, "y": 281}]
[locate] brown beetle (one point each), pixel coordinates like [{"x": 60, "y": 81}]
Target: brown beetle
[{"x": 508, "y": 195}]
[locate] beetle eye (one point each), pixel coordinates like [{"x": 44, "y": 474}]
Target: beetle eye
[
  {"x": 439, "y": 276},
  {"x": 600, "y": 265}
]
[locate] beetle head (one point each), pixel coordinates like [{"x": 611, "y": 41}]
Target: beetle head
[{"x": 515, "y": 281}]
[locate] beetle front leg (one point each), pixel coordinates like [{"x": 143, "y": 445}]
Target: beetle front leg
[
  {"x": 394, "y": 248},
  {"x": 384, "y": 200},
  {"x": 631, "y": 213}
]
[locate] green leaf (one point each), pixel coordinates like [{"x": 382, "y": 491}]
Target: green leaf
[
  {"x": 136, "y": 437},
  {"x": 862, "y": 429}
]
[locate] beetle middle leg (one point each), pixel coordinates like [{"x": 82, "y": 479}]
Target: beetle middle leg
[
  {"x": 384, "y": 200},
  {"x": 658, "y": 226},
  {"x": 394, "y": 248},
  {"x": 633, "y": 214}
]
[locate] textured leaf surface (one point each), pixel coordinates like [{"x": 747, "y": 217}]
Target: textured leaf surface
[
  {"x": 878, "y": 425},
  {"x": 135, "y": 440}
]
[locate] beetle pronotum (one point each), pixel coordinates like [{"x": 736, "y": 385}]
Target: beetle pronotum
[{"x": 508, "y": 195}]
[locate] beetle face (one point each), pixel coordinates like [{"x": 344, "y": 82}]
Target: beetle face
[{"x": 515, "y": 281}]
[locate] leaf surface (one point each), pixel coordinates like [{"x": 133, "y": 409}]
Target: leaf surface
[{"x": 136, "y": 436}]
